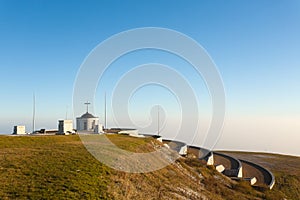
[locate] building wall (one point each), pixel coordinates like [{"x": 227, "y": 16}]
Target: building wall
[
  {"x": 65, "y": 126},
  {"x": 90, "y": 124},
  {"x": 98, "y": 128},
  {"x": 20, "y": 130}
]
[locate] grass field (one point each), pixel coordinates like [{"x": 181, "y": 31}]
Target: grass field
[
  {"x": 47, "y": 167},
  {"x": 59, "y": 167}
]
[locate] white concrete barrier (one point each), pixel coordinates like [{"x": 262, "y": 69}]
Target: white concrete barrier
[{"x": 220, "y": 168}]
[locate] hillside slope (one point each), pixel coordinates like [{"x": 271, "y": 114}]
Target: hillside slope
[
  {"x": 59, "y": 167},
  {"x": 285, "y": 168}
]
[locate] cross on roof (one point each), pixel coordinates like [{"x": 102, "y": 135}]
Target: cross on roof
[{"x": 87, "y": 106}]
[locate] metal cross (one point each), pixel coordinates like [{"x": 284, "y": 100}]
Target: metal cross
[{"x": 87, "y": 106}]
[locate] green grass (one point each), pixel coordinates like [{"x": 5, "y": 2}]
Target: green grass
[
  {"x": 138, "y": 145},
  {"x": 50, "y": 167},
  {"x": 59, "y": 167},
  {"x": 56, "y": 167}
]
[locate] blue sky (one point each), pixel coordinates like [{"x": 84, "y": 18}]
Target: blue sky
[{"x": 255, "y": 44}]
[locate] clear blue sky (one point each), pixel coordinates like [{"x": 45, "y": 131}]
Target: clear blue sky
[{"x": 255, "y": 44}]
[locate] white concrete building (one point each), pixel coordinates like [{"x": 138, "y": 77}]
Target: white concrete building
[
  {"x": 19, "y": 130},
  {"x": 98, "y": 128},
  {"x": 88, "y": 122},
  {"x": 65, "y": 127}
]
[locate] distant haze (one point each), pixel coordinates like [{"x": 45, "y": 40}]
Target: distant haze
[{"x": 255, "y": 45}]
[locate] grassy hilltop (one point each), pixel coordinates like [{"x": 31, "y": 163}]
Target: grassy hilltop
[{"x": 59, "y": 167}]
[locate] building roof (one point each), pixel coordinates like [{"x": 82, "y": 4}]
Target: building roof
[{"x": 87, "y": 115}]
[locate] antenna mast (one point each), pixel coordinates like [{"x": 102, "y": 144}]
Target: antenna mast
[
  {"x": 66, "y": 112},
  {"x": 33, "y": 114},
  {"x": 158, "y": 119},
  {"x": 105, "y": 110}
]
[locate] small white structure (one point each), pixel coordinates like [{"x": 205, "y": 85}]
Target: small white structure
[
  {"x": 220, "y": 168},
  {"x": 251, "y": 180},
  {"x": 183, "y": 150},
  {"x": 240, "y": 172},
  {"x": 159, "y": 139},
  {"x": 131, "y": 132},
  {"x": 210, "y": 159},
  {"x": 88, "y": 122},
  {"x": 19, "y": 130},
  {"x": 65, "y": 127}
]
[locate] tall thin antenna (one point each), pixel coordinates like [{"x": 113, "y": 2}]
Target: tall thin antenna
[
  {"x": 67, "y": 112},
  {"x": 33, "y": 114},
  {"x": 157, "y": 119},
  {"x": 105, "y": 110}
]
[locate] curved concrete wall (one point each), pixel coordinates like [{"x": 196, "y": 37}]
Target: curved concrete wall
[
  {"x": 235, "y": 170},
  {"x": 178, "y": 146},
  {"x": 202, "y": 154},
  {"x": 269, "y": 178}
]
